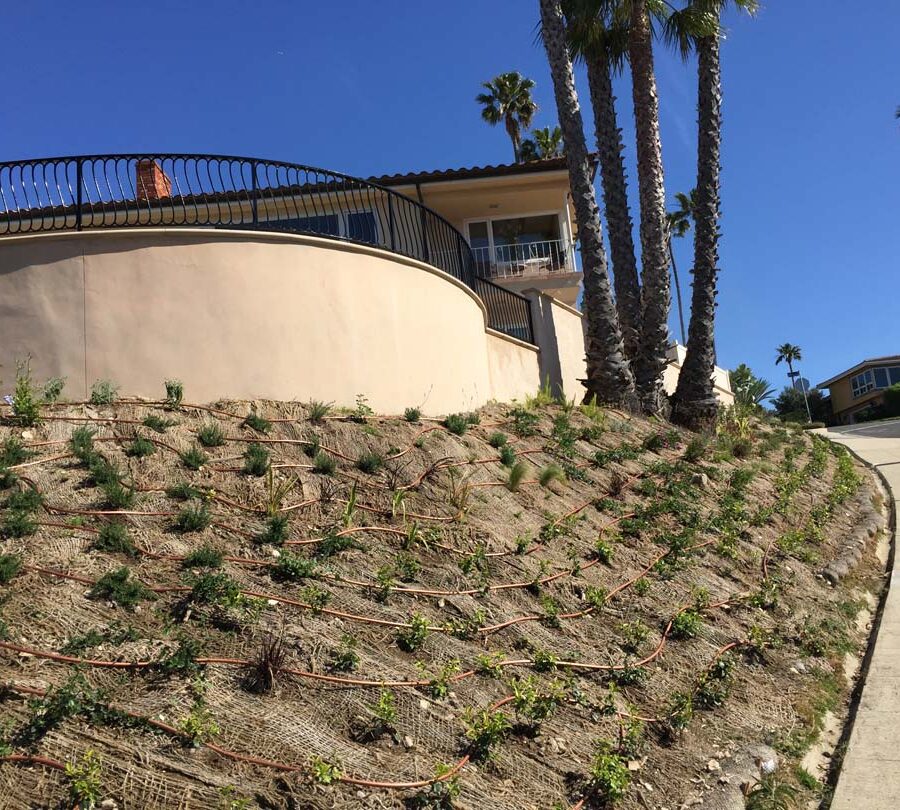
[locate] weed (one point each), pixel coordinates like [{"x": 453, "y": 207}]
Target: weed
[
  {"x": 317, "y": 411},
  {"x": 771, "y": 793},
  {"x": 194, "y": 458},
  {"x": 412, "y": 415},
  {"x": 157, "y": 423},
  {"x": 193, "y": 517},
  {"x": 83, "y": 777},
  {"x": 120, "y": 587},
  {"x": 293, "y": 568},
  {"x": 484, "y": 729},
  {"x": 324, "y": 773},
  {"x": 174, "y": 394},
  {"x": 140, "y": 447},
  {"x": 551, "y": 473},
  {"x": 211, "y": 435},
  {"x": 255, "y": 422},
  {"x": 199, "y": 726},
  {"x": 52, "y": 390},
  {"x": 412, "y": 638},
  {"x": 344, "y": 658},
  {"x": 456, "y": 423},
  {"x": 203, "y": 557},
  {"x": 104, "y": 392},
  {"x": 507, "y": 455},
  {"x": 25, "y": 402},
  {"x": 276, "y": 532},
  {"x": 370, "y": 462},
  {"x": 516, "y": 476},
  {"x": 113, "y": 538},
  {"x": 10, "y": 565}
]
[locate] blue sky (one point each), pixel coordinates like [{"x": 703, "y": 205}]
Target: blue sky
[{"x": 811, "y": 184}]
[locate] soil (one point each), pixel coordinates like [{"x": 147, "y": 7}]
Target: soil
[{"x": 437, "y": 531}]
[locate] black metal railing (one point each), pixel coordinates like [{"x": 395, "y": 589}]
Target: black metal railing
[{"x": 166, "y": 190}]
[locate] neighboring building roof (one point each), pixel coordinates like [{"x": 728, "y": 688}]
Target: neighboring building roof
[
  {"x": 872, "y": 361},
  {"x": 474, "y": 172}
]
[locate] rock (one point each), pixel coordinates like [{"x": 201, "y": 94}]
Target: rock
[
  {"x": 108, "y": 804},
  {"x": 408, "y": 742},
  {"x": 700, "y": 480},
  {"x": 424, "y": 704},
  {"x": 28, "y": 435},
  {"x": 713, "y": 766}
]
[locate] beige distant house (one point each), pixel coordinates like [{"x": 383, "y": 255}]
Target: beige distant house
[{"x": 861, "y": 388}]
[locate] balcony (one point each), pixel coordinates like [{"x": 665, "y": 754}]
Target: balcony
[{"x": 530, "y": 259}]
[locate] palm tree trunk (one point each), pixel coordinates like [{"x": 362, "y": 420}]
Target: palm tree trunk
[
  {"x": 615, "y": 200},
  {"x": 609, "y": 377},
  {"x": 695, "y": 403},
  {"x": 655, "y": 292},
  {"x": 677, "y": 293},
  {"x": 513, "y": 131}
]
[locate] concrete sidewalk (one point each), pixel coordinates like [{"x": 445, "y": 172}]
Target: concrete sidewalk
[{"x": 870, "y": 775}]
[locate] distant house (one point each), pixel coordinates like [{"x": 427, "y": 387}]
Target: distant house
[{"x": 860, "y": 389}]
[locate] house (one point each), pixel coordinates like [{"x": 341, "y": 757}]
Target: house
[
  {"x": 860, "y": 389},
  {"x": 248, "y": 278}
]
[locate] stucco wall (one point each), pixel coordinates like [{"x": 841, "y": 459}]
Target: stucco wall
[
  {"x": 513, "y": 367},
  {"x": 241, "y": 315},
  {"x": 559, "y": 331}
]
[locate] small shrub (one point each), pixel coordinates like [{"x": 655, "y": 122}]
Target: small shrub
[
  {"x": 140, "y": 447},
  {"x": 293, "y": 568},
  {"x": 194, "y": 458},
  {"x": 174, "y": 393},
  {"x": 25, "y": 403},
  {"x": 633, "y": 635},
  {"x": 256, "y": 460},
  {"x": 24, "y": 500},
  {"x": 52, "y": 390},
  {"x": 696, "y": 449},
  {"x": 199, "y": 725},
  {"x": 686, "y": 624},
  {"x": 370, "y": 462},
  {"x": 318, "y": 411},
  {"x": 81, "y": 444},
  {"x": 507, "y": 455},
  {"x": 484, "y": 729},
  {"x": 104, "y": 392},
  {"x": 608, "y": 777},
  {"x": 255, "y": 422},
  {"x": 385, "y": 710},
  {"x": 344, "y": 658},
  {"x": 770, "y": 793},
  {"x": 211, "y": 435},
  {"x": 10, "y": 565},
  {"x": 157, "y": 423},
  {"x": 516, "y": 476},
  {"x": 83, "y": 777},
  {"x": 362, "y": 411},
  {"x": 551, "y": 473},
  {"x": 276, "y": 531},
  {"x": 113, "y": 538},
  {"x": 215, "y": 589},
  {"x": 118, "y": 495},
  {"x": 334, "y": 543},
  {"x": 324, "y": 773},
  {"x": 456, "y": 423},
  {"x": 266, "y": 664},
  {"x": 17, "y": 524},
  {"x": 412, "y": 638},
  {"x": 203, "y": 557},
  {"x": 497, "y": 440},
  {"x": 412, "y": 415},
  {"x": 194, "y": 517},
  {"x": 603, "y": 550},
  {"x": 13, "y": 452},
  {"x": 183, "y": 491},
  {"x": 118, "y": 586},
  {"x": 324, "y": 463},
  {"x": 524, "y": 422}
]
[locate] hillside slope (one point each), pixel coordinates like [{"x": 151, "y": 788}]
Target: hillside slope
[{"x": 532, "y": 608}]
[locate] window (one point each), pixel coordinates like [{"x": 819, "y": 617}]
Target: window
[
  {"x": 359, "y": 225},
  {"x": 881, "y": 377},
  {"x": 862, "y": 383},
  {"x": 525, "y": 230},
  {"x": 894, "y": 374},
  {"x": 517, "y": 245}
]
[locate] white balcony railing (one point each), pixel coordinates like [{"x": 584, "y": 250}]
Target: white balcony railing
[{"x": 528, "y": 259}]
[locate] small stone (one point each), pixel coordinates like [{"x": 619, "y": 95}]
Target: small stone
[
  {"x": 553, "y": 745},
  {"x": 700, "y": 480},
  {"x": 361, "y": 794},
  {"x": 424, "y": 704},
  {"x": 108, "y": 804},
  {"x": 271, "y": 602},
  {"x": 408, "y": 742},
  {"x": 276, "y": 552},
  {"x": 713, "y": 765},
  {"x": 28, "y": 435},
  {"x": 442, "y": 603}
]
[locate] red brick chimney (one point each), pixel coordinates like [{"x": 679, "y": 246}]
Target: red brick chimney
[{"x": 151, "y": 181}]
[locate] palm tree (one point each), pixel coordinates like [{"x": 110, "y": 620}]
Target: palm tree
[
  {"x": 790, "y": 354},
  {"x": 679, "y": 223},
  {"x": 509, "y": 100},
  {"x": 656, "y": 296},
  {"x": 695, "y": 402},
  {"x": 543, "y": 144},
  {"x": 609, "y": 376},
  {"x": 749, "y": 390},
  {"x": 601, "y": 43}
]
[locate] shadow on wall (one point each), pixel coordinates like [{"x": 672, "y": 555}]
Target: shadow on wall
[{"x": 547, "y": 338}]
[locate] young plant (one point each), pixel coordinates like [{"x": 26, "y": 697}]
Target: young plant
[
  {"x": 256, "y": 460},
  {"x": 52, "y": 390},
  {"x": 199, "y": 726},
  {"x": 344, "y": 658},
  {"x": 456, "y": 423},
  {"x": 608, "y": 777},
  {"x": 25, "y": 403},
  {"x": 497, "y": 440},
  {"x": 516, "y": 476},
  {"x": 120, "y": 587},
  {"x": 10, "y": 565},
  {"x": 507, "y": 455},
  {"x": 324, "y": 463},
  {"x": 193, "y": 517},
  {"x": 276, "y": 532},
  {"x": 385, "y": 711},
  {"x": 686, "y": 624},
  {"x": 194, "y": 458},
  {"x": 412, "y": 638},
  {"x": 83, "y": 777},
  {"x": 203, "y": 557},
  {"x": 412, "y": 415},
  {"x": 267, "y": 663},
  {"x": 370, "y": 462},
  {"x": 293, "y": 568},
  {"x": 140, "y": 447},
  {"x": 211, "y": 435},
  {"x": 157, "y": 423},
  {"x": 550, "y": 473},
  {"x": 118, "y": 495},
  {"x": 318, "y": 411},
  {"x": 255, "y": 422},
  {"x": 484, "y": 730},
  {"x": 361, "y": 413},
  {"x": 324, "y": 773},
  {"x": 113, "y": 538},
  {"x": 104, "y": 392},
  {"x": 174, "y": 394}
]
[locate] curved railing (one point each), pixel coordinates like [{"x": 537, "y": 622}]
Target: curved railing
[{"x": 148, "y": 190}]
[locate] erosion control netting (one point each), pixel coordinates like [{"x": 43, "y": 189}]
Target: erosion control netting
[{"x": 440, "y": 533}]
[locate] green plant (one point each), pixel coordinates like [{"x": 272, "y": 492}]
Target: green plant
[
  {"x": 696, "y": 449},
  {"x": 344, "y": 658},
  {"x": 317, "y": 411},
  {"x": 199, "y": 725},
  {"x": 603, "y": 549},
  {"x": 81, "y": 444},
  {"x": 113, "y": 538},
  {"x": 255, "y": 422},
  {"x": 325, "y": 773},
  {"x": 52, "y": 390},
  {"x": 324, "y": 463},
  {"x": 104, "y": 392},
  {"x": 229, "y": 800},
  {"x": 516, "y": 476},
  {"x": 507, "y": 455},
  {"x": 413, "y": 636},
  {"x": 174, "y": 394},
  {"x": 370, "y": 462},
  {"x": 497, "y": 440},
  {"x": 256, "y": 460},
  {"x": 412, "y": 415},
  {"x": 484, "y": 729},
  {"x": 550, "y": 473},
  {"x": 120, "y": 587},
  {"x": 679, "y": 713},
  {"x": 214, "y": 589},
  {"x": 686, "y": 624},
  {"x": 183, "y": 491},
  {"x": 157, "y": 423},
  {"x": 771, "y": 793},
  {"x": 456, "y": 423},
  {"x": 633, "y": 635},
  {"x": 25, "y": 402},
  {"x": 17, "y": 524},
  {"x": 83, "y": 777},
  {"x": 524, "y": 422},
  {"x": 140, "y": 447},
  {"x": 194, "y": 458},
  {"x": 439, "y": 795},
  {"x": 532, "y": 702},
  {"x": 385, "y": 710},
  {"x": 10, "y": 565},
  {"x": 118, "y": 495},
  {"x": 641, "y": 586},
  {"x": 362, "y": 411},
  {"x": 13, "y": 452},
  {"x": 317, "y": 598},
  {"x": 203, "y": 557},
  {"x": 293, "y": 568},
  {"x": 182, "y": 660},
  {"x": 24, "y": 500},
  {"x": 211, "y": 435},
  {"x": 193, "y": 517},
  {"x": 608, "y": 776},
  {"x": 276, "y": 532}
]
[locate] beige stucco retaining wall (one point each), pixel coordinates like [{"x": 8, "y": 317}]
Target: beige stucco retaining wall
[{"x": 245, "y": 315}]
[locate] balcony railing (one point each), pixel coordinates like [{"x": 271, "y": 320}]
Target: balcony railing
[
  {"x": 166, "y": 190},
  {"x": 527, "y": 259}
]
